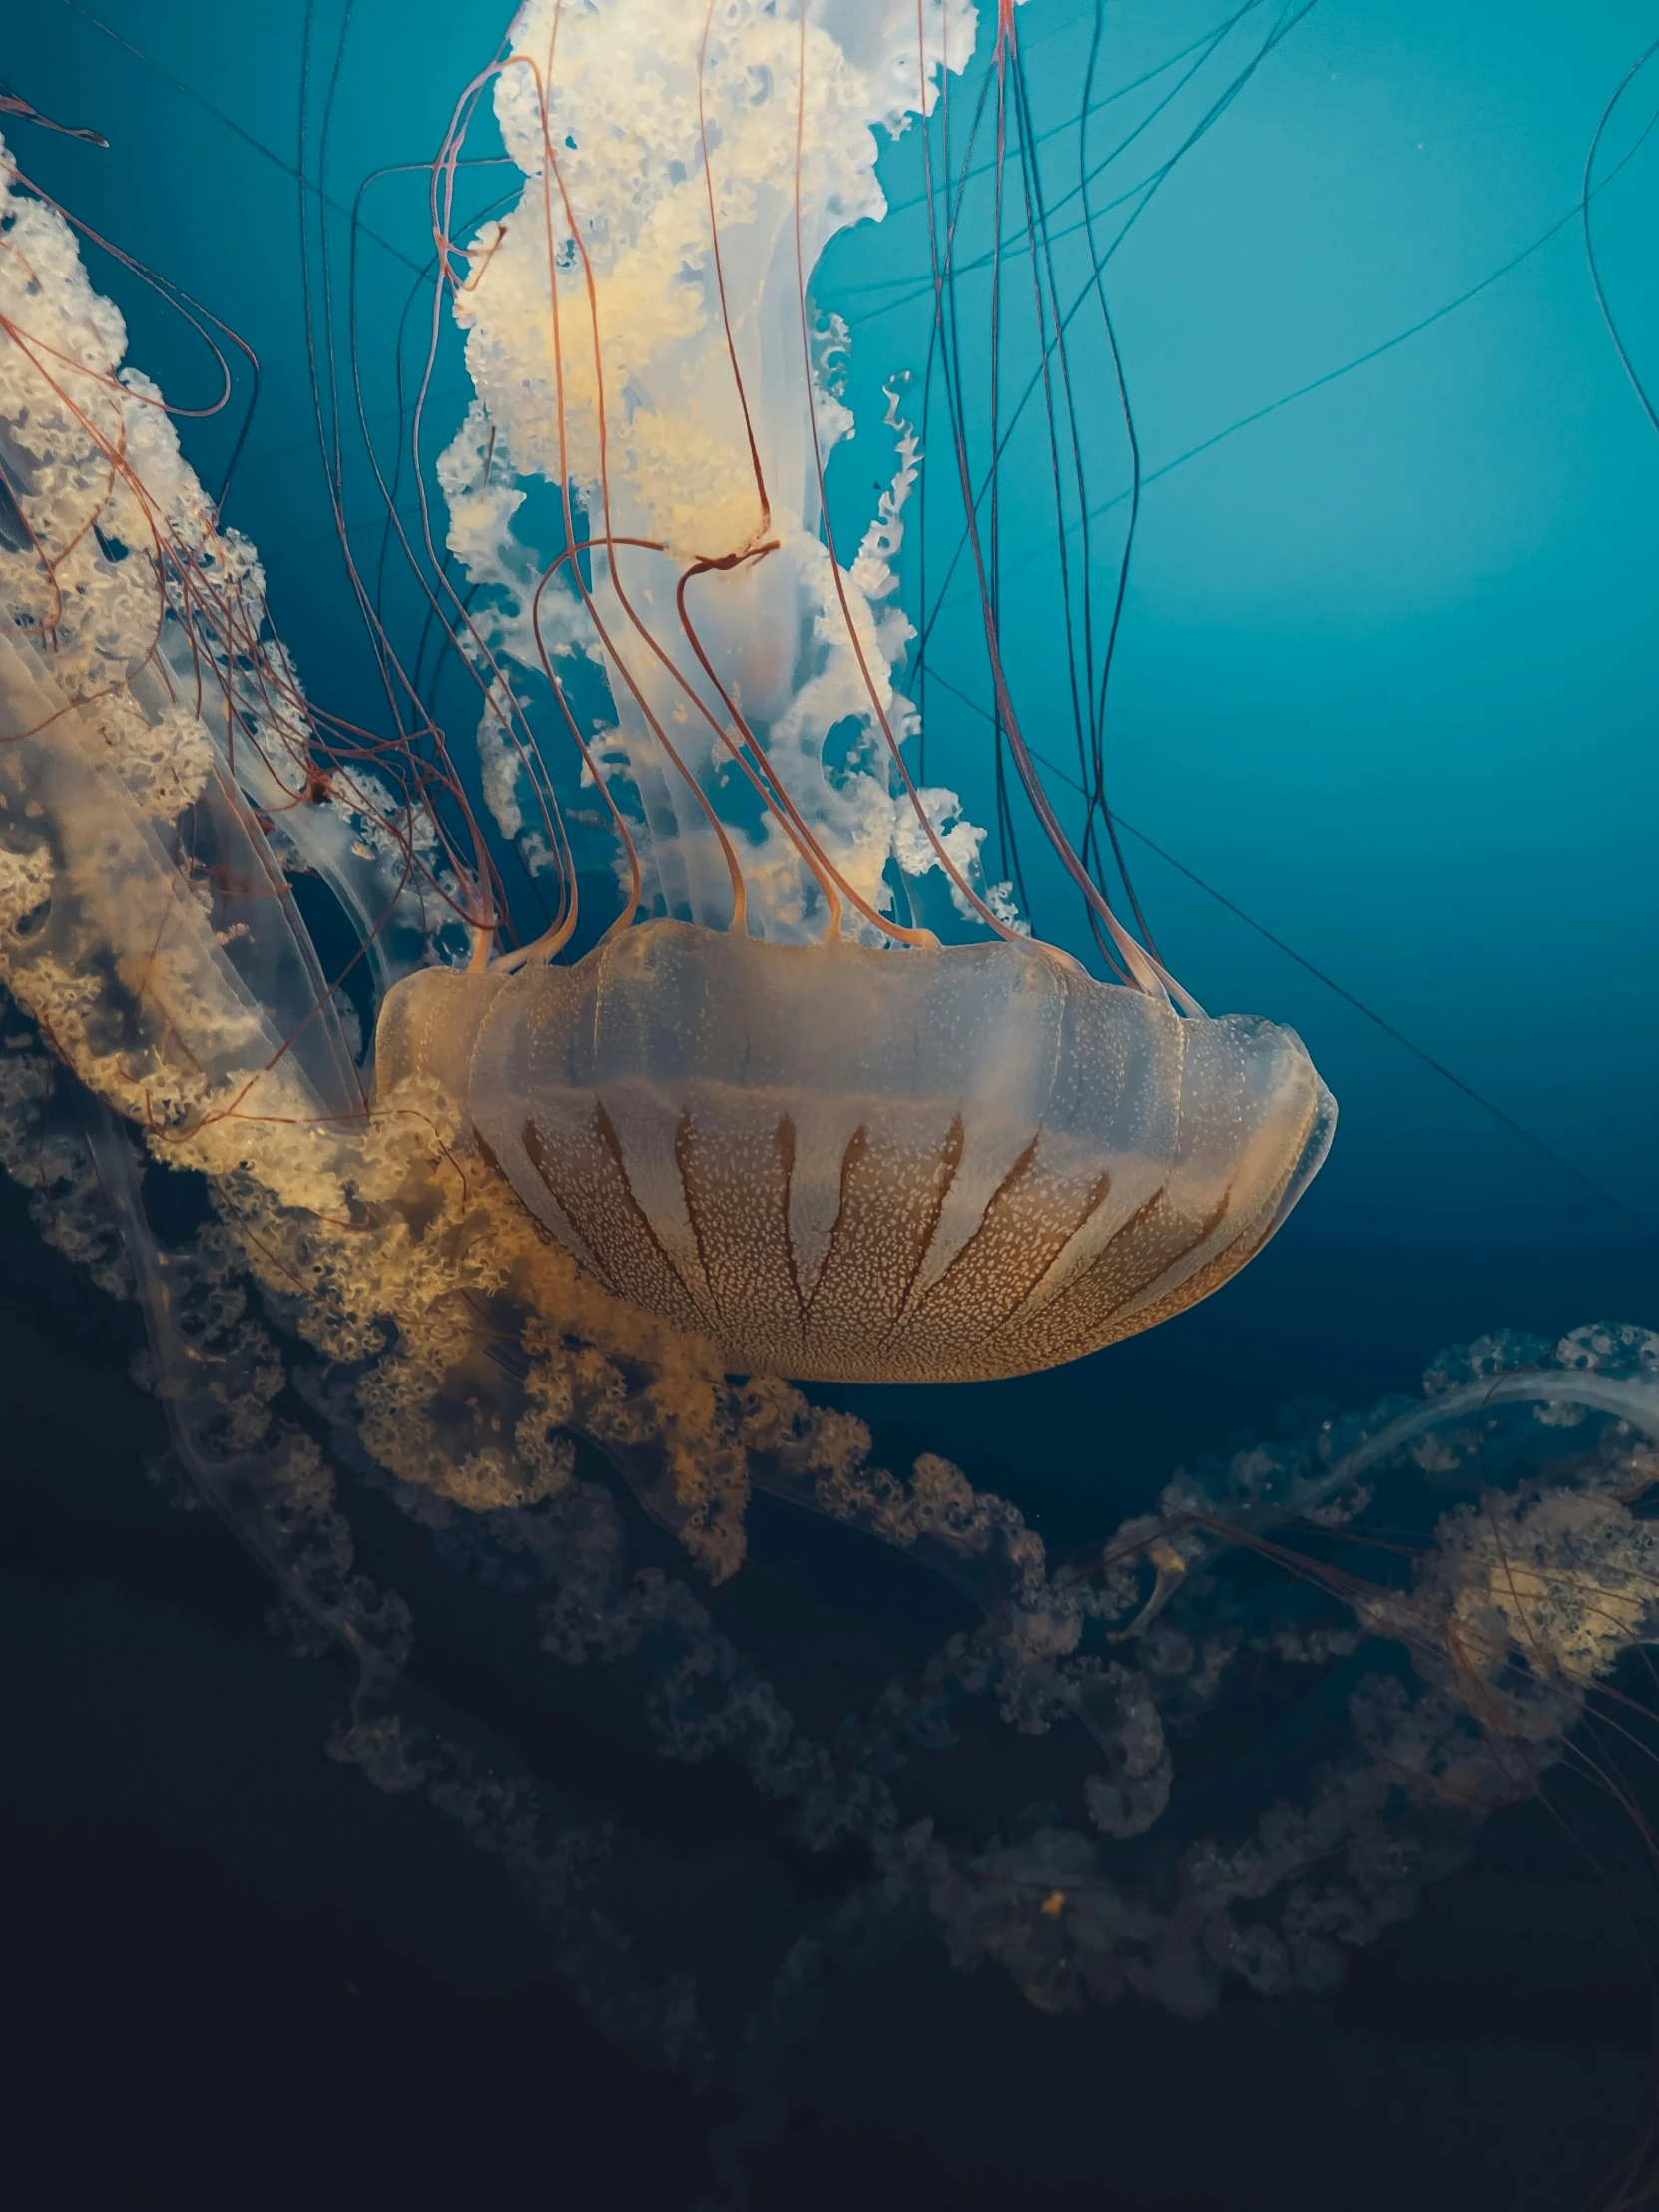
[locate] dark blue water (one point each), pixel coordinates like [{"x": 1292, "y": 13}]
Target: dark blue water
[{"x": 1387, "y": 693}]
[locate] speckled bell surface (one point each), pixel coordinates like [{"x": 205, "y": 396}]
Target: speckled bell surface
[{"x": 882, "y": 1166}]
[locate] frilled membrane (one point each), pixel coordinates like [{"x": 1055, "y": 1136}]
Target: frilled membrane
[{"x": 864, "y": 1166}]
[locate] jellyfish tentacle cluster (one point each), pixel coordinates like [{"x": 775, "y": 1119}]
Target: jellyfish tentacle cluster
[{"x": 1518, "y": 1611}]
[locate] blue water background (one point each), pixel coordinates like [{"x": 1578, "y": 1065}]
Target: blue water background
[{"x": 1387, "y": 684}]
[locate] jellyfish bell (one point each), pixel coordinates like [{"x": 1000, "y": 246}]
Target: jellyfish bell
[
  {"x": 923, "y": 1165},
  {"x": 775, "y": 1112}
]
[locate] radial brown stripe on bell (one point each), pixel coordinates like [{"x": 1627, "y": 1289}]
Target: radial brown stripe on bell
[
  {"x": 1031, "y": 1217},
  {"x": 1152, "y": 1243},
  {"x": 1233, "y": 1255},
  {"x": 784, "y": 1138},
  {"x": 891, "y": 1197},
  {"x": 587, "y": 1177},
  {"x": 736, "y": 1192},
  {"x": 1202, "y": 1280}
]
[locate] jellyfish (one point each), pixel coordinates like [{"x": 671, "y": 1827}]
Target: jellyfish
[
  {"x": 817, "y": 1105},
  {"x": 777, "y": 1113}
]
